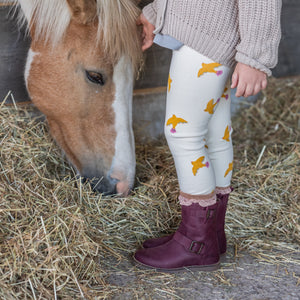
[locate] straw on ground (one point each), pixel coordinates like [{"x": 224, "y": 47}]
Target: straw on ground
[{"x": 59, "y": 240}]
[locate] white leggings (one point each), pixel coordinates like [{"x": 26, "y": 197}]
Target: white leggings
[{"x": 198, "y": 126}]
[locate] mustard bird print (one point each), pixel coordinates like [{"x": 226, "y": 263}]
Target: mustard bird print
[
  {"x": 174, "y": 121},
  {"x": 226, "y": 136},
  {"x": 210, "y": 68},
  {"x": 169, "y": 83},
  {"x": 205, "y": 144},
  {"x": 224, "y": 95},
  {"x": 198, "y": 164},
  {"x": 230, "y": 167},
  {"x": 210, "y": 106}
]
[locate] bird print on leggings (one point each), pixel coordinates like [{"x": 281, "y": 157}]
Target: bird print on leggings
[
  {"x": 210, "y": 106},
  {"x": 174, "y": 121},
  {"x": 169, "y": 83},
  {"x": 224, "y": 95},
  {"x": 198, "y": 164},
  {"x": 230, "y": 168},
  {"x": 226, "y": 136},
  {"x": 210, "y": 68}
]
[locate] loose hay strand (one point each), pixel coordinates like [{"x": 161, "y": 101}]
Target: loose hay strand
[{"x": 58, "y": 240}]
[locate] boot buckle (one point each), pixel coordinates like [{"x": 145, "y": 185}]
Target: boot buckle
[{"x": 196, "y": 251}]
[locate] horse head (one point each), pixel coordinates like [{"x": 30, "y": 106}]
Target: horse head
[{"x": 79, "y": 73}]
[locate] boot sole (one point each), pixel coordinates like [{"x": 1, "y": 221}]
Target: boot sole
[
  {"x": 204, "y": 268},
  {"x": 222, "y": 255}
]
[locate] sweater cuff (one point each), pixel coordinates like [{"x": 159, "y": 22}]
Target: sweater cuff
[
  {"x": 240, "y": 57},
  {"x": 150, "y": 13}
]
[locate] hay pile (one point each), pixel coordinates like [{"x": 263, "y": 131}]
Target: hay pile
[{"x": 58, "y": 240}]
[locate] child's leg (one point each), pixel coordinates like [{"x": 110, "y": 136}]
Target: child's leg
[
  {"x": 219, "y": 143},
  {"x": 220, "y": 151},
  {"x": 195, "y": 85}
]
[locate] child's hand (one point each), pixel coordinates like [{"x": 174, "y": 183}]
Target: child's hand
[
  {"x": 147, "y": 35},
  {"x": 249, "y": 81}
]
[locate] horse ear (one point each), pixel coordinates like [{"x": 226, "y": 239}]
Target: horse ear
[{"x": 83, "y": 11}]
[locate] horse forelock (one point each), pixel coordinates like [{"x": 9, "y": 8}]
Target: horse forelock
[
  {"x": 117, "y": 29},
  {"x": 117, "y": 21},
  {"x": 50, "y": 19}
]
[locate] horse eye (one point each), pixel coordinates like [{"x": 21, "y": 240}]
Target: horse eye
[{"x": 95, "y": 77}]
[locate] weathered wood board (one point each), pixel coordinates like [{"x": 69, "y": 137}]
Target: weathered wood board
[
  {"x": 289, "y": 50},
  {"x": 13, "y": 52}
]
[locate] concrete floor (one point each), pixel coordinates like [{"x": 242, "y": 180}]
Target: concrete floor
[{"x": 242, "y": 277}]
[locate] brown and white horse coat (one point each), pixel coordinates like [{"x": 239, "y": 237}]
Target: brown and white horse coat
[{"x": 79, "y": 73}]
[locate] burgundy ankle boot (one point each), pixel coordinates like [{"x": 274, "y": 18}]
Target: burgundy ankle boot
[
  {"x": 150, "y": 243},
  {"x": 221, "y": 212},
  {"x": 194, "y": 244}
]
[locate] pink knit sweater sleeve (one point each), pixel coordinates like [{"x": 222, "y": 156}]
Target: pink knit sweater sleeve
[{"x": 260, "y": 33}]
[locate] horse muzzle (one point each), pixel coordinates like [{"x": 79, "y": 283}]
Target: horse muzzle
[{"x": 107, "y": 185}]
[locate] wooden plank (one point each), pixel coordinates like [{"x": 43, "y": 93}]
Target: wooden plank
[
  {"x": 156, "y": 69},
  {"x": 13, "y": 51},
  {"x": 136, "y": 93},
  {"x": 7, "y": 3},
  {"x": 157, "y": 61},
  {"x": 148, "y": 91},
  {"x": 289, "y": 49}
]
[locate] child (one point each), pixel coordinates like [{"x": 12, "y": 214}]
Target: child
[{"x": 210, "y": 40}]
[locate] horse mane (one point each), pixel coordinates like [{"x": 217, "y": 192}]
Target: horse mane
[{"x": 117, "y": 28}]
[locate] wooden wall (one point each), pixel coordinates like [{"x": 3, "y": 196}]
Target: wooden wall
[
  {"x": 13, "y": 52},
  {"x": 14, "y": 46},
  {"x": 289, "y": 49}
]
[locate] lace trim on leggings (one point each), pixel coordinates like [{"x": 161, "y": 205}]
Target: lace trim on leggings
[
  {"x": 223, "y": 190},
  {"x": 202, "y": 200}
]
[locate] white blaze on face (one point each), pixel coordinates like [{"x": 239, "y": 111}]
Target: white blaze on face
[
  {"x": 123, "y": 166},
  {"x": 30, "y": 56}
]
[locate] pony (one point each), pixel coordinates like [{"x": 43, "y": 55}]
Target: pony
[{"x": 79, "y": 73}]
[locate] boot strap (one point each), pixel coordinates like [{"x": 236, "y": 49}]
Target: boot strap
[{"x": 190, "y": 245}]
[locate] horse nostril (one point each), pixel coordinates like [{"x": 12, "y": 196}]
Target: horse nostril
[{"x": 103, "y": 185}]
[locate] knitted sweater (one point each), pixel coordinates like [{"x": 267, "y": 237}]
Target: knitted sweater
[{"x": 226, "y": 31}]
